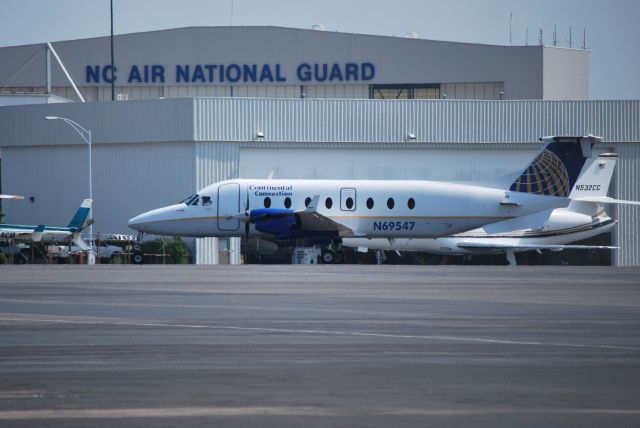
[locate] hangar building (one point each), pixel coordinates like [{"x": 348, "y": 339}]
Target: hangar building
[
  {"x": 278, "y": 62},
  {"x": 207, "y": 104}
]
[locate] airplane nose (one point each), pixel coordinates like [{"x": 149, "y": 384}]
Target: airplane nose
[
  {"x": 161, "y": 221},
  {"x": 137, "y": 223}
]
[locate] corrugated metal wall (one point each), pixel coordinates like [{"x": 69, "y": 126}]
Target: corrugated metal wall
[
  {"x": 324, "y": 120},
  {"x": 627, "y": 186}
]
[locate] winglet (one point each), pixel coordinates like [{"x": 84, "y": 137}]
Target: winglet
[
  {"x": 37, "y": 234},
  {"x": 80, "y": 243}
]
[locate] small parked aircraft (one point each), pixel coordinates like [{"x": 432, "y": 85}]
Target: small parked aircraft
[
  {"x": 553, "y": 230},
  {"x": 36, "y": 233}
]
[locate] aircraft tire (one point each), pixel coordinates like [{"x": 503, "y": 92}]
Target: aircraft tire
[
  {"x": 328, "y": 257},
  {"x": 339, "y": 257},
  {"x": 138, "y": 258}
]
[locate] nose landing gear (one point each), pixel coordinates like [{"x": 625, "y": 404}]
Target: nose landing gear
[{"x": 138, "y": 257}]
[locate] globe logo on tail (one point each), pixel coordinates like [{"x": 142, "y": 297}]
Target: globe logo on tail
[{"x": 546, "y": 175}]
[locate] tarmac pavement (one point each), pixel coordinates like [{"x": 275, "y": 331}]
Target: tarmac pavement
[{"x": 316, "y": 346}]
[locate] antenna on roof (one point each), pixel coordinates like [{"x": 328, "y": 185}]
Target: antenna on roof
[
  {"x": 570, "y": 37},
  {"x": 526, "y": 37},
  {"x": 584, "y": 39},
  {"x": 231, "y": 14},
  {"x": 555, "y": 35},
  {"x": 540, "y": 36},
  {"x": 539, "y": 32},
  {"x": 510, "y": 21}
]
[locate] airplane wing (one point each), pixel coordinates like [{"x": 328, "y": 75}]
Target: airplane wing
[
  {"x": 488, "y": 246},
  {"x": 313, "y": 221},
  {"x": 11, "y": 197}
]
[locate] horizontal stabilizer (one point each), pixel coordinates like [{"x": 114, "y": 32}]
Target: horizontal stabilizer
[{"x": 606, "y": 200}]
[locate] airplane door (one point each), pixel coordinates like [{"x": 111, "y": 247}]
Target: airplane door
[
  {"x": 228, "y": 205},
  {"x": 348, "y": 199}
]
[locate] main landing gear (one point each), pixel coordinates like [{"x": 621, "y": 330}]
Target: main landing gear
[{"x": 331, "y": 256}]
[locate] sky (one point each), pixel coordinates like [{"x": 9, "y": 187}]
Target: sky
[{"x": 612, "y": 28}]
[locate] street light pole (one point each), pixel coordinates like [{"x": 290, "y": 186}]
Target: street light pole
[{"x": 86, "y": 136}]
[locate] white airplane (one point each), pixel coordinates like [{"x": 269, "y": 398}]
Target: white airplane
[
  {"x": 334, "y": 210},
  {"x": 554, "y": 230},
  {"x": 11, "y": 197},
  {"x": 36, "y": 233}
]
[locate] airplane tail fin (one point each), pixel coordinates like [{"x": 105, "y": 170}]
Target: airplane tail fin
[
  {"x": 556, "y": 169},
  {"x": 81, "y": 218},
  {"x": 593, "y": 183},
  {"x": 589, "y": 194},
  {"x": 596, "y": 177}
]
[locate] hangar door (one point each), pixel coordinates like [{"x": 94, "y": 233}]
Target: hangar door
[{"x": 228, "y": 206}]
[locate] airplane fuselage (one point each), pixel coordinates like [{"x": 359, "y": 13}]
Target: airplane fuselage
[{"x": 368, "y": 208}]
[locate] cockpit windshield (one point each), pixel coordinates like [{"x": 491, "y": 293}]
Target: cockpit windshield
[{"x": 191, "y": 200}]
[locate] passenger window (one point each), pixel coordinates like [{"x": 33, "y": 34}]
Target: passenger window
[
  {"x": 328, "y": 203},
  {"x": 390, "y": 203},
  {"x": 267, "y": 202},
  {"x": 349, "y": 203},
  {"x": 206, "y": 201},
  {"x": 307, "y": 201},
  {"x": 370, "y": 203},
  {"x": 411, "y": 203},
  {"x": 195, "y": 202},
  {"x": 287, "y": 202}
]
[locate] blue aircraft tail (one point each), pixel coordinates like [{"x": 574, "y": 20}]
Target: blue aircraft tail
[
  {"x": 555, "y": 171},
  {"x": 81, "y": 218}
]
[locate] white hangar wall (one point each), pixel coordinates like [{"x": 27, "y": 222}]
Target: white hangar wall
[{"x": 155, "y": 152}]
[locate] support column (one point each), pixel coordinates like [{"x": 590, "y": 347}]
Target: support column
[
  {"x": 207, "y": 251},
  {"x": 48, "y": 71},
  {"x": 234, "y": 251}
]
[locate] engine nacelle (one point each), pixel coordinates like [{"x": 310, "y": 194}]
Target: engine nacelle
[
  {"x": 285, "y": 224},
  {"x": 565, "y": 219},
  {"x": 274, "y": 221}
]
